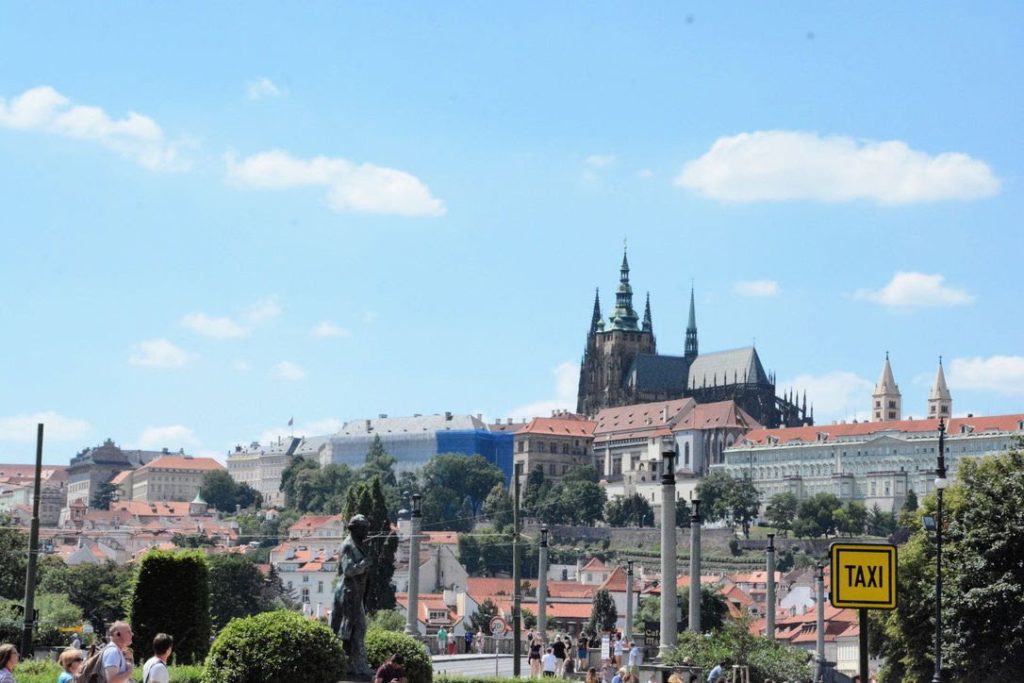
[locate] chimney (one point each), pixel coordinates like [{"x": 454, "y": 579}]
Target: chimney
[
  {"x": 448, "y": 416},
  {"x": 382, "y": 416},
  {"x": 369, "y": 426}
]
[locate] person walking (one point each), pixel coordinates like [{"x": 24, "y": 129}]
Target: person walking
[
  {"x": 442, "y": 641},
  {"x": 716, "y": 673},
  {"x": 469, "y": 640},
  {"x": 548, "y": 663},
  {"x": 155, "y": 668},
  {"x": 118, "y": 663},
  {"x": 534, "y": 658},
  {"x": 9, "y": 659},
  {"x": 618, "y": 650},
  {"x": 633, "y": 659},
  {"x": 581, "y": 652},
  {"x": 71, "y": 661},
  {"x": 558, "y": 648}
]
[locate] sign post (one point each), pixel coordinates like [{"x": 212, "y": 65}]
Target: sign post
[
  {"x": 498, "y": 627},
  {"x": 863, "y": 578}
]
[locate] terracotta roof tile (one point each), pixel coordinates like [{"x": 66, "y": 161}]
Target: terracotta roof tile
[{"x": 1003, "y": 423}]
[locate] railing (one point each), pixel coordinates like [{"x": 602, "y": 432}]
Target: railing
[{"x": 504, "y": 645}]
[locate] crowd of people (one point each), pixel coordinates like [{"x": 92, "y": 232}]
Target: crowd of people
[
  {"x": 112, "y": 662},
  {"x": 563, "y": 658}
]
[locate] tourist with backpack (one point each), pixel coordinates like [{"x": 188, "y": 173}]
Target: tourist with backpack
[
  {"x": 155, "y": 669},
  {"x": 71, "y": 661},
  {"x": 113, "y": 663}
]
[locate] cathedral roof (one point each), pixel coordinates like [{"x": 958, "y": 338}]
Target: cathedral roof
[
  {"x": 714, "y": 415},
  {"x": 651, "y": 372},
  {"x": 727, "y": 367},
  {"x": 640, "y": 417},
  {"x": 886, "y": 382}
]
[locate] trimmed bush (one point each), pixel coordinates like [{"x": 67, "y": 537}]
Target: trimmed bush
[
  {"x": 455, "y": 678},
  {"x": 47, "y": 671},
  {"x": 275, "y": 647},
  {"x": 380, "y": 645},
  {"x": 172, "y": 595}
]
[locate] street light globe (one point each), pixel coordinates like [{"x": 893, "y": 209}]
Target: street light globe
[{"x": 941, "y": 483}]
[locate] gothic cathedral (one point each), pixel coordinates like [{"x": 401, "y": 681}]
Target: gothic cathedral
[{"x": 621, "y": 366}]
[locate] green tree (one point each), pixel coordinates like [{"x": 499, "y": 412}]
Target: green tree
[
  {"x": 781, "y": 511},
  {"x": 529, "y": 618},
  {"x": 387, "y": 620},
  {"x": 227, "y": 495},
  {"x": 172, "y": 595},
  {"x": 379, "y": 464},
  {"x": 582, "y": 473},
  {"x": 367, "y": 498},
  {"x": 582, "y": 502},
  {"x": 880, "y": 523},
  {"x": 743, "y": 501},
  {"x": 13, "y": 558},
  {"x": 631, "y": 510},
  {"x": 816, "y": 516},
  {"x": 713, "y": 491},
  {"x": 289, "y": 478},
  {"x": 910, "y": 502},
  {"x": 456, "y": 487},
  {"x": 534, "y": 490},
  {"x": 236, "y": 588},
  {"x": 99, "y": 590},
  {"x": 851, "y": 518},
  {"x": 498, "y": 506},
  {"x": 714, "y": 609},
  {"x": 103, "y": 496},
  {"x": 603, "y": 614},
  {"x": 486, "y": 611}
]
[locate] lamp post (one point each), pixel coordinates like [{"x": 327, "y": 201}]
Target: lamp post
[
  {"x": 542, "y": 586},
  {"x": 770, "y": 596},
  {"x": 415, "y": 518},
  {"x": 669, "y": 623},
  {"x": 940, "y": 485},
  {"x": 694, "y": 612},
  {"x": 819, "y": 584},
  {"x": 629, "y": 600}
]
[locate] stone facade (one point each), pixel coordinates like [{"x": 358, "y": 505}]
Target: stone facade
[{"x": 554, "y": 444}]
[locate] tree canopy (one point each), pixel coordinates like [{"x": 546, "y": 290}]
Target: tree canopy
[
  {"x": 631, "y": 510},
  {"x": 455, "y": 488},
  {"x": 733, "y": 499},
  {"x": 227, "y": 495},
  {"x": 367, "y": 498}
]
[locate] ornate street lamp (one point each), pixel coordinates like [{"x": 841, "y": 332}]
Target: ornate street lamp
[
  {"x": 669, "y": 608},
  {"x": 940, "y": 484}
]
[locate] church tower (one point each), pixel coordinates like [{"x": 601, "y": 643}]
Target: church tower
[
  {"x": 611, "y": 350},
  {"x": 691, "y": 333},
  {"x": 940, "y": 402},
  {"x": 887, "y": 399}
]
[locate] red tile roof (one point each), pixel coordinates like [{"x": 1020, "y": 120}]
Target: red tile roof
[
  {"x": 643, "y": 417},
  {"x": 1002, "y": 423},
  {"x": 564, "y": 425},
  {"x": 310, "y": 522},
  {"x": 595, "y": 565},
  {"x": 715, "y": 415},
  {"x": 617, "y": 581},
  {"x": 181, "y": 462},
  {"x": 120, "y": 477}
]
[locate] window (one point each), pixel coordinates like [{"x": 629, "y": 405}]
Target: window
[
  {"x": 892, "y": 414},
  {"x": 320, "y": 588},
  {"x": 565, "y": 447},
  {"x": 552, "y": 469},
  {"x": 540, "y": 446},
  {"x": 521, "y": 443},
  {"x": 878, "y": 404},
  {"x": 305, "y": 595}
]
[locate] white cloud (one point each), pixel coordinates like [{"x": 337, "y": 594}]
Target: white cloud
[
  {"x": 645, "y": 173},
  {"x": 171, "y": 437},
  {"x": 909, "y": 290},
  {"x": 158, "y": 353},
  {"x": 324, "y": 330},
  {"x": 600, "y": 160},
  {"x": 782, "y": 165},
  {"x": 361, "y": 188},
  {"x": 1001, "y": 374},
  {"x": 264, "y": 310},
  {"x": 837, "y": 395},
  {"x": 290, "y": 371},
  {"x": 567, "y": 378},
  {"x": 135, "y": 136},
  {"x": 56, "y": 427},
  {"x": 757, "y": 288},
  {"x": 261, "y": 88},
  {"x": 241, "y": 365},
  {"x": 327, "y": 425},
  {"x": 218, "y": 328}
]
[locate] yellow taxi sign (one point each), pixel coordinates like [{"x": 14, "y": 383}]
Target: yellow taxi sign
[{"x": 863, "y": 575}]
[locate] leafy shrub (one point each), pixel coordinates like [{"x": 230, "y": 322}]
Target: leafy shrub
[
  {"x": 456, "y": 678},
  {"x": 275, "y": 647},
  {"x": 47, "y": 671},
  {"x": 184, "y": 674},
  {"x": 172, "y": 595},
  {"x": 735, "y": 644},
  {"x": 380, "y": 645},
  {"x": 387, "y": 620}
]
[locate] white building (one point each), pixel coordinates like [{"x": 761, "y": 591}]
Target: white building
[{"x": 261, "y": 466}]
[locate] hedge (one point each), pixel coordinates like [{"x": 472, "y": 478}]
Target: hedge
[
  {"x": 275, "y": 647},
  {"x": 46, "y": 671},
  {"x": 172, "y": 595},
  {"x": 381, "y": 644}
]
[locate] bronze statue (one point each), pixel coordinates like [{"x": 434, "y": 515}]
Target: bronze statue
[{"x": 348, "y": 617}]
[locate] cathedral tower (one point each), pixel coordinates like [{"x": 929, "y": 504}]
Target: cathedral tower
[
  {"x": 940, "y": 402},
  {"x": 887, "y": 399},
  {"x": 691, "y": 332},
  {"x": 612, "y": 349}
]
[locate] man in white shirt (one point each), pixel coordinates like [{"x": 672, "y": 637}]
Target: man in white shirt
[
  {"x": 116, "y": 667},
  {"x": 548, "y": 663},
  {"x": 155, "y": 670},
  {"x": 634, "y": 659}
]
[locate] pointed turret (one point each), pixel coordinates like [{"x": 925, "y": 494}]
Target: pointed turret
[
  {"x": 648, "y": 325},
  {"x": 940, "y": 402},
  {"x": 887, "y": 398},
  {"x": 691, "y": 332},
  {"x": 595, "y": 320},
  {"x": 624, "y": 317}
]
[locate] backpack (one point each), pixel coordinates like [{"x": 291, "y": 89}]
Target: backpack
[{"x": 92, "y": 669}]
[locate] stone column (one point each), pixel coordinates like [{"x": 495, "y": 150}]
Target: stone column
[
  {"x": 415, "y": 519},
  {"x": 629, "y": 601},
  {"x": 770, "y": 595},
  {"x": 694, "y": 615},
  {"x": 542, "y": 586}
]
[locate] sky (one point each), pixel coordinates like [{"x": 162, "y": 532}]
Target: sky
[{"x": 215, "y": 221}]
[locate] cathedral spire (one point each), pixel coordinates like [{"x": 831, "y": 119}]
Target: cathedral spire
[
  {"x": 887, "y": 399},
  {"x": 940, "y": 401},
  {"x": 595, "y": 320},
  {"x": 691, "y": 332},
  {"x": 648, "y": 323},
  {"x": 624, "y": 317}
]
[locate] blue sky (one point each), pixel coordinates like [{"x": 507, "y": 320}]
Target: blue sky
[{"x": 215, "y": 219}]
